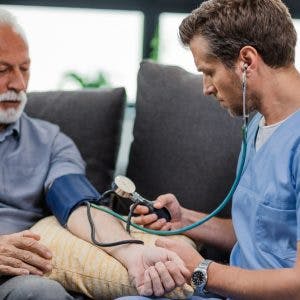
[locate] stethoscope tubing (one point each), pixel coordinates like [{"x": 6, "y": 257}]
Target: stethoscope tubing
[
  {"x": 201, "y": 221},
  {"x": 222, "y": 204}
]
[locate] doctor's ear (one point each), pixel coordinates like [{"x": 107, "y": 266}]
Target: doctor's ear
[
  {"x": 248, "y": 58},
  {"x": 245, "y": 67}
]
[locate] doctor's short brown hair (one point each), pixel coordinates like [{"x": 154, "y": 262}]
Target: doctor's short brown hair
[{"x": 229, "y": 25}]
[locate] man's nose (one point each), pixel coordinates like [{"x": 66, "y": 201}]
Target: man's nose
[
  {"x": 208, "y": 87},
  {"x": 17, "y": 81}
]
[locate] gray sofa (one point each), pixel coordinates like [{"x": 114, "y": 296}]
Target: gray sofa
[{"x": 182, "y": 142}]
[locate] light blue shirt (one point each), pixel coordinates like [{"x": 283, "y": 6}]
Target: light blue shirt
[
  {"x": 32, "y": 154},
  {"x": 265, "y": 207}
]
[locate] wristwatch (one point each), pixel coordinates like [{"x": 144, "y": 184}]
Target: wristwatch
[{"x": 199, "y": 277}]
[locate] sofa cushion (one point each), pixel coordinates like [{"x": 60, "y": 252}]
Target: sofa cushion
[
  {"x": 92, "y": 118},
  {"x": 184, "y": 142},
  {"x": 82, "y": 267}
]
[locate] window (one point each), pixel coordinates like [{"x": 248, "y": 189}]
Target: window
[
  {"x": 89, "y": 41},
  {"x": 171, "y": 51},
  {"x": 297, "y": 26},
  {"x": 86, "y": 41}
]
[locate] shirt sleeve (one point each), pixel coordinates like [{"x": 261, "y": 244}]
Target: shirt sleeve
[{"x": 65, "y": 159}]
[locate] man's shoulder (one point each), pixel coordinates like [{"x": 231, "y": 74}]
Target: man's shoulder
[{"x": 38, "y": 126}]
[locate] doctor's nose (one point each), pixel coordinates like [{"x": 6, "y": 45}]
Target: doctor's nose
[{"x": 208, "y": 88}]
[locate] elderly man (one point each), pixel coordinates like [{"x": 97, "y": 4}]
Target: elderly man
[
  {"x": 248, "y": 41},
  {"x": 35, "y": 159}
]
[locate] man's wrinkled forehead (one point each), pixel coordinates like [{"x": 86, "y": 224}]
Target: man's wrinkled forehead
[
  {"x": 8, "y": 35},
  {"x": 12, "y": 46}
]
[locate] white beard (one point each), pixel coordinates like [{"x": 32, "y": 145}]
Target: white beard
[{"x": 11, "y": 115}]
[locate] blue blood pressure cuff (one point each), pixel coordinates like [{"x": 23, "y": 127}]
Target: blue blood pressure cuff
[{"x": 68, "y": 192}]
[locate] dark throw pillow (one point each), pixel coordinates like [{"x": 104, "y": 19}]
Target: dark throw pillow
[{"x": 92, "y": 118}]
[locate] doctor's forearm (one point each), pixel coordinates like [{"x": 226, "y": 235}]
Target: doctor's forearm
[
  {"x": 217, "y": 232},
  {"x": 244, "y": 284}
]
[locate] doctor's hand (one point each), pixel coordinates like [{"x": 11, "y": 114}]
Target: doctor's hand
[
  {"x": 190, "y": 256},
  {"x": 22, "y": 254},
  {"x": 156, "y": 271},
  {"x": 151, "y": 221}
]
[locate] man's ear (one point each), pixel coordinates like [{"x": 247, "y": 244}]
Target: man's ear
[{"x": 248, "y": 58}]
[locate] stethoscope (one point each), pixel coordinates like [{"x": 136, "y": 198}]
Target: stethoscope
[{"x": 123, "y": 187}]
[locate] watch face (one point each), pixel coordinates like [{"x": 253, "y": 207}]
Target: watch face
[{"x": 198, "y": 278}]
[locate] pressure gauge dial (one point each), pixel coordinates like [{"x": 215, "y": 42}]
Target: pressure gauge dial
[{"x": 123, "y": 186}]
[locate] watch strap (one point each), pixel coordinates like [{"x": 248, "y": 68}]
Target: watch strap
[{"x": 203, "y": 267}]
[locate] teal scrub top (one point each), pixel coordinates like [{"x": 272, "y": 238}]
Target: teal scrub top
[{"x": 265, "y": 207}]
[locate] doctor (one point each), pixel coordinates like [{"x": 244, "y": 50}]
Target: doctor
[{"x": 228, "y": 38}]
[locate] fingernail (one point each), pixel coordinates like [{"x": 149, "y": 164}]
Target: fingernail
[
  {"x": 49, "y": 254},
  {"x": 25, "y": 272}
]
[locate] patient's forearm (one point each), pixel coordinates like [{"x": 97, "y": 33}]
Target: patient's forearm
[{"x": 108, "y": 229}]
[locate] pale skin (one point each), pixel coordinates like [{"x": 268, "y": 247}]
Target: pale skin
[
  {"x": 275, "y": 93},
  {"x": 153, "y": 270}
]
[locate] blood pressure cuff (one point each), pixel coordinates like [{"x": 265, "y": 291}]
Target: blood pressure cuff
[{"x": 68, "y": 192}]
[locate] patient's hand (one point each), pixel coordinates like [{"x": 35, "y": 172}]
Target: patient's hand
[
  {"x": 151, "y": 221},
  {"x": 156, "y": 271},
  {"x": 22, "y": 254},
  {"x": 190, "y": 256}
]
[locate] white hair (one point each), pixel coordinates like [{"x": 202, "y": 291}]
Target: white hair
[{"x": 6, "y": 18}]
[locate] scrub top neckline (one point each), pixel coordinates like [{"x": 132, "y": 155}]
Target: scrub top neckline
[{"x": 275, "y": 133}]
